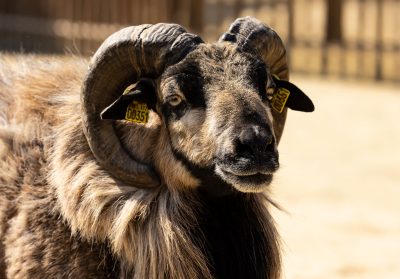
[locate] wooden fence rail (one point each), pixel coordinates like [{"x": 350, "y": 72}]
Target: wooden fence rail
[
  {"x": 80, "y": 25},
  {"x": 344, "y": 38}
]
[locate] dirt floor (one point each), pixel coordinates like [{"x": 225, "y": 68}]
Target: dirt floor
[{"x": 340, "y": 183}]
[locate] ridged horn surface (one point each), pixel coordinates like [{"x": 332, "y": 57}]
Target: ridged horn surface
[
  {"x": 253, "y": 36},
  {"x": 124, "y": 57}
]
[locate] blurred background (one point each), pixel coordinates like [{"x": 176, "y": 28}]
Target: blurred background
[
  {"x": 345, "y": 38},
  {"x": 340, "y": 166}
]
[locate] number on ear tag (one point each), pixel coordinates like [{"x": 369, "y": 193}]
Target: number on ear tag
[
  {"x": 137, "y": 112},
  {"x": 279, "y": 100}
]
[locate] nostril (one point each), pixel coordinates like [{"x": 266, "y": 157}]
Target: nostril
[
  {"x": 262, "y": 137},
  {"x": 244, "y": 149}
]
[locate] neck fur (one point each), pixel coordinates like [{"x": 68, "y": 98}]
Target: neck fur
[{"x": 161, "y": 233}]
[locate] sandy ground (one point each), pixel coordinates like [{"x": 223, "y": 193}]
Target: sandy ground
[{"x": 340, "y": 183}]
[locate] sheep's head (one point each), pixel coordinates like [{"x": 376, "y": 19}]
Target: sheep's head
[
  {"x": 214, "y": 101},
  {"x": 216, "y": 109}
]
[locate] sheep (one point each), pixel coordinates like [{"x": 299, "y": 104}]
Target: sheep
[{"x": 89, "y": 192}]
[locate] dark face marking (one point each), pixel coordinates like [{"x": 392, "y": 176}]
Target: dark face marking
[
  {"x": 259, "y": 79},
  {"x": 188, "y": 81}
]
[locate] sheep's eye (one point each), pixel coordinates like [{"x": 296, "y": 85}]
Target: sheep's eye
[{"x": 174, "y": 100}]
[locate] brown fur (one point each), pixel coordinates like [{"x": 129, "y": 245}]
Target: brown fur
[{"x": 62, "y": 215}]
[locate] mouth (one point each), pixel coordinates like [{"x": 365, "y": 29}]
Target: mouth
[{"x": 255, "y": 181}]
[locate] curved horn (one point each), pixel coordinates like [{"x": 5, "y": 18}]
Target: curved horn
[
  {"x": 124, "y": 57},
  {"x": 253, "y": 36}
]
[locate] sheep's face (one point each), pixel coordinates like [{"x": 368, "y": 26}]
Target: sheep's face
[{"x": 215, "y": 107}]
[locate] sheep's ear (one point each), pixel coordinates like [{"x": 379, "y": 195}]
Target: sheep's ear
[
  {"x": 289, "y": 95},
  {"x": 134, "y": 104}
]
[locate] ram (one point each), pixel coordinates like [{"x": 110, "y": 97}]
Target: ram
[{"x": 152, "y": 162}]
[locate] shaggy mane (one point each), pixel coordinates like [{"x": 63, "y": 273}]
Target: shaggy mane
[{"x": 93, "y": 225}]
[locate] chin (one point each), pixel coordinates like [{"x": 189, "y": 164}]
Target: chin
[{"x": 251, "y": 183}]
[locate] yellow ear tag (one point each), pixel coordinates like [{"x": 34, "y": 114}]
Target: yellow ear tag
[
  {"x": 137, "y": 112},
  {"x": 280, "y": 98}
]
